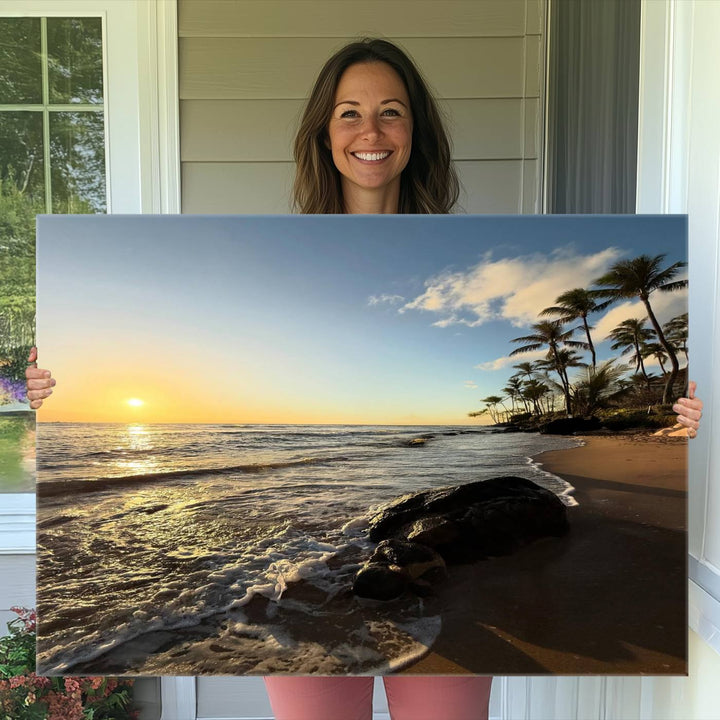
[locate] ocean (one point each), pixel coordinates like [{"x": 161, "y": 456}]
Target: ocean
[{"x": 182, "y": 549}]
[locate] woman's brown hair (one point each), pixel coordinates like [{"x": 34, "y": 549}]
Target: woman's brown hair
[{"x": 428, "y": 184}]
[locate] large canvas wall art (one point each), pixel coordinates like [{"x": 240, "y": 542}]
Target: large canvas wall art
[{"x": 362, "y": 445}]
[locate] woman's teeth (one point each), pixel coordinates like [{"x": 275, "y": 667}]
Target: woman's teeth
[{"x": 371, "y": 156}]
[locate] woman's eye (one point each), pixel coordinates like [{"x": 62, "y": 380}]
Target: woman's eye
[
  {"x": 392, "y": 112},
  {"x": 349, "y": 114}
]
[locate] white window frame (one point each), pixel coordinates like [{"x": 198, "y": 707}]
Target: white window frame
[{"x": 141, "y": 143}]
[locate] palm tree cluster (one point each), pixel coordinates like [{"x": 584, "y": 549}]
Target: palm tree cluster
[{"x": 535, "y": 386}]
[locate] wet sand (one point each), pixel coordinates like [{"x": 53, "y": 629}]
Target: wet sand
[{"x": 608, "y": 598}]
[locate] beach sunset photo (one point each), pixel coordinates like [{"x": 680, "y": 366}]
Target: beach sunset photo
[{"x": 362, "y": 445}]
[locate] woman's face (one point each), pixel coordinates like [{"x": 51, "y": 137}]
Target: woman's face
[{"x": 370, "y": 130}]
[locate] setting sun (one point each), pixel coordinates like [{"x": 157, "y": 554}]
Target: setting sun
[{"x": 135, "y": 402}]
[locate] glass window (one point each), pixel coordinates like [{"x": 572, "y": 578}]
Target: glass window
[{"x": 52, "y": 160}]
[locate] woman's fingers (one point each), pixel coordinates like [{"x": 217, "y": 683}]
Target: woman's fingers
[
  {"x": 39, "y": 381},
  {"x": 689, "y": 411}
]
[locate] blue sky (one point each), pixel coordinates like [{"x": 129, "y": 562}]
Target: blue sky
[{"x": 366, "y": 319}]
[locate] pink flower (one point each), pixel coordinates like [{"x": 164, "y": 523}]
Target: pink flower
[{"x": 28, "y": 617}]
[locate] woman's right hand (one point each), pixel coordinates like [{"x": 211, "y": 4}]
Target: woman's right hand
[{"x": 39, "y": 382}]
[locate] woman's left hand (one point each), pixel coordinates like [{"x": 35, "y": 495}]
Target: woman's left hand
[{"x": 689, "y": 410}]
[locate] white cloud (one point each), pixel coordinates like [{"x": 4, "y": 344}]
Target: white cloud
[
  {"x": 665, "y": 305},
  {"x": 470, "y": 385},
  {"x": 502, "y": 362},
  {"x": 512, "y": 289},
  {"x": 385, "y": 299}
]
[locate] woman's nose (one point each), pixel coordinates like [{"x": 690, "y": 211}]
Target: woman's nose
[{"x": 371, "y": 128}]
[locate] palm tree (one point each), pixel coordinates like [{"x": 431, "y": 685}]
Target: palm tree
[
  {"x": 514, "y": 391},
  {"x": 550, "y": 333},
  {"x": 598, "y": 385},
  {"x": 577, "y": 304},
  {"x": 639, "y": 278},
  {"x": 533, "y": 391},
  {"x": 525, "y": 371},
  {"x": 491, "y": 402},
  {"x": 676, "y": 332},
  {"x": 632, "y": 336},
  {"x": 657, "y": 351}
]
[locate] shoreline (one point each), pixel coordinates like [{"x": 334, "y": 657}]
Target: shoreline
[{"x": 609, "y": 598}]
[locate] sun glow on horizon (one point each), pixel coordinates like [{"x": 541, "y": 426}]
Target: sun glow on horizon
[{"x": 135, "y": 402}]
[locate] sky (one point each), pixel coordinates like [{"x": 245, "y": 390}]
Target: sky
[{"x": 313, "y": 319}]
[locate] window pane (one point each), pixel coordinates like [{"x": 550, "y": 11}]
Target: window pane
[
  {"x": 77, "y": 161},
  {"x": 21, "y": 198},
  {"x": 20, "y": 69},
  {"x": 21, "y": 153},
  {"x": 17, "y": 452},
  {"x": 75, "y": 60}
]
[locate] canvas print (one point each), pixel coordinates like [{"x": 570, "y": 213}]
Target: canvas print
[{"x": 362, "y": 445}]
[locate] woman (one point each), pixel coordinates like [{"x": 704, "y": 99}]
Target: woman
[{"x": 372, "y": 141}]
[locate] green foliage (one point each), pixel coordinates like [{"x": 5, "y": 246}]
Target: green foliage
[
  {"x": 26, "y": 696},
  {"x": 17, "y": 277},
  {"x": 632, "y": 418}
]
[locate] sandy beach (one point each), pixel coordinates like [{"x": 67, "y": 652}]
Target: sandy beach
[{"x": 609, "y": 598}]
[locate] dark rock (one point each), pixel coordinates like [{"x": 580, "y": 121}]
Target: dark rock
[
  {"x": 396, "y": 565},
  {"x": 569, "y": 426},
  {"x": 417, "y": 532},
  {"x": 379, "y": 582},
  {"x": 433, "y": 530},
  {"x": 479, "y": 519}
]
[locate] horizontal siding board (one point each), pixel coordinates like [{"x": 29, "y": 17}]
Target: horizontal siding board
[
  {"x": 490, "y": 186},
  {"x": 335, "y": 18},
  {"x": 263, "y": 130},
  {"x": 264, "y": 188},
  {"x": 257, "y": 68},
  {"x": 244, "y": 188},
  {"x": 238, "y": 130},
  {"x": 535, "y": 17},
  {"x": 486, "y": 129}
]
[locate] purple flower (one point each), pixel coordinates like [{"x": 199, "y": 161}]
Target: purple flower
[{"x": 12, "y": 391}]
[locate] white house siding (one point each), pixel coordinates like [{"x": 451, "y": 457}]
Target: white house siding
[{"x": 245, "y": 67}]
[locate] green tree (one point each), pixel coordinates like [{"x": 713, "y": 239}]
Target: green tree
[
  {"x": 631, "y": 336},
  {"x": 597, "y": 385},
  {"x": 676, "y": 332},
  {"x": 17, "y": 277},
  {"x": 550, "y": 334},
  {"x": 577, "y": 304},
  {"x": 639, "y": 278},
  {"x": 533, "y": 392}
]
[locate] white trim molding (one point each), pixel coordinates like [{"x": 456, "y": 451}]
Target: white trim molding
[
  {"x": 159, "y": 107},
  {"x": 178, "y": 698}
]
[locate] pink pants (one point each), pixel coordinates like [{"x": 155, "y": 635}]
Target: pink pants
[{"x": 415, "y": 697}]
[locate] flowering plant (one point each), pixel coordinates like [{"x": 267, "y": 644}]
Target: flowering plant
[{"x": 26, "y": 696}]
